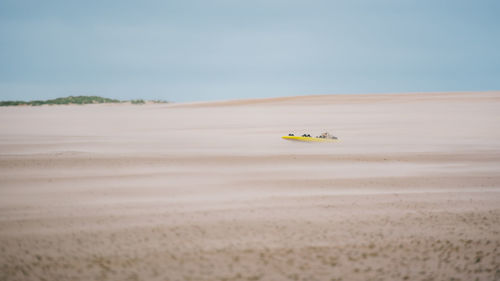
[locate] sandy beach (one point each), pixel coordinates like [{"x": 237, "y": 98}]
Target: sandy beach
[{"x": 210, "y": 191}]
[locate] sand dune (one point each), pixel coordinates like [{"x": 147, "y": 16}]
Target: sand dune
[{"x": 209, "y": 191}]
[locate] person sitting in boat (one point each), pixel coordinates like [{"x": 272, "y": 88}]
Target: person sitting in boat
[{"x": 327, "y": 135}]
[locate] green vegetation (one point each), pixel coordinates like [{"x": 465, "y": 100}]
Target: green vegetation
[
  {"x": 73, "y": 100},
  {"x": 12, "y": 103},
  {"x": 137, "y": 101},
  {"x": 66, "y": 100},
  {"x": 159, "y": 101}
]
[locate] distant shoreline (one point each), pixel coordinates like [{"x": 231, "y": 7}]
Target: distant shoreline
[
  {"x": 78, "y": 100},
  {"x": 82, "y": 100}
]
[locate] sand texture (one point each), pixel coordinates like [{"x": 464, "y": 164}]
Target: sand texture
[{"x": 209, "y": 191}]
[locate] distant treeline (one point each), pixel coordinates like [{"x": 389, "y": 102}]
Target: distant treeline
[{"x": 74, "y": 100}]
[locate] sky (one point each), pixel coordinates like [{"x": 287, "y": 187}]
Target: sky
[{"x": 194, "y": 50}]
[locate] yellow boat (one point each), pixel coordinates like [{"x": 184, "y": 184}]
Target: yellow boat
[{"x": 309, "y": 139}]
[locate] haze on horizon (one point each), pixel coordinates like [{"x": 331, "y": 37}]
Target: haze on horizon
[{"x": 211, "y": 50}]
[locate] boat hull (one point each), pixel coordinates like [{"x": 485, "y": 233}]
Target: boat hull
[{"x": 308, "y": 139}]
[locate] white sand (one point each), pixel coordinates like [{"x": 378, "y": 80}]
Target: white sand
[{"x": 209, "y": 191}]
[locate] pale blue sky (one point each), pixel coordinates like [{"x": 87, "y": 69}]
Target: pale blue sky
[{"x": 211, "y": 50}]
